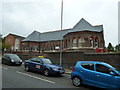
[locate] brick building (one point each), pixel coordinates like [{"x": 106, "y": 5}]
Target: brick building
[
  {"x": 82, "y": 37},
  {"x": 14, "y": 41}
]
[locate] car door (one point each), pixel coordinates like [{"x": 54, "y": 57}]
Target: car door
[
  {"x": 88, "y": 73},
  {"x": 39, "y": 65},
  {"x": 6, "y": 59},
  {"x": 32, "y": 64},
  {"x": 3, "y": 59},
  {"x": 104, "y": 78}
]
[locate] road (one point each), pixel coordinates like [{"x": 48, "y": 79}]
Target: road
[{"x": 17, "y": 77}]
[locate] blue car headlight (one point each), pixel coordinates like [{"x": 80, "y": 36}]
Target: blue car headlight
[{"x": 55, "y": 69}]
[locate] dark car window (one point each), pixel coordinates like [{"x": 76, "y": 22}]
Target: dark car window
[
  {"x": 46, "y": 61},
  {"x": 33, "y": 59},
  {"x": 14, "y": 57},
  {"x": 5, "y": 55},
  {"x": 39, "y": 60},
  {"x": 103, "y": 69},
  {"x": 89, "y": 66}
]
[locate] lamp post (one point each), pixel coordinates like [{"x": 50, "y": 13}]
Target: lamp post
[{"x": 61, "y": 30}]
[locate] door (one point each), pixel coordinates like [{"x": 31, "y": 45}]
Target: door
[
  {"x": 6, "y": 59},
  {"x": 88, "y": 73},
  {"x": 32, "y": 64},
  {"x": 104, "y": 78},
  {"x": 39, "y": 65}
]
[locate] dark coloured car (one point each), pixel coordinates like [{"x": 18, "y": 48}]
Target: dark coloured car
[
  {"x": 97, "y": 74},
  {"x": 44, "y": 66},
  {"x": 11, "y": 59}
]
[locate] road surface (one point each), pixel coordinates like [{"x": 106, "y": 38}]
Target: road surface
[{"x": 17, "y": 77}]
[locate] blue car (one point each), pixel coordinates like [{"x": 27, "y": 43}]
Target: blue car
[
  {"x": 95, "y": 73},
  {"x": 44, "y": 66}
]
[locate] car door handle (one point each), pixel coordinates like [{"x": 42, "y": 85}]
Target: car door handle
[
  {"x": 98, "y": 75},
  {"x": 81, "y": 71}
]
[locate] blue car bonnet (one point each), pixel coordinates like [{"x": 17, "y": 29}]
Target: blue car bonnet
[{"x": 52, "y": 66}]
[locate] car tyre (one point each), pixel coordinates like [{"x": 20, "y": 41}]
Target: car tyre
[
  {"x": 19, "y": 64},
  {"x": 8, "y": 64},
  {"x": 27, "y": 68},
  {"x": 2, "y": 62},
  {"x": 46, "y": 72},
  {"x": 77, "y": 81}
]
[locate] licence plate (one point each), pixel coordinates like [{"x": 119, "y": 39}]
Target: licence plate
[{"x": 17, "y": 63}]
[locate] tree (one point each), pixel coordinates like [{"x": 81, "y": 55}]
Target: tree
[
  {"x": 110, "y": 48},
  {"x": 0, "y": 41},
  {"x": 0, "y": 45},
  {"x": 4, "y": 46},
  {"x": 117, "y": 47}
]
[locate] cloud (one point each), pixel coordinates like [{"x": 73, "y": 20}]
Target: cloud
[{"x": 23, "y": 17}]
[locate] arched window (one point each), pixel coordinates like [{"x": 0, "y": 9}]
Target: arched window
[
  {"x": 74, "y": 42},
  {"x": 50, "y": 46},
  {"x": 80, "y": 42},
  {"x": 96, "y": 42},
  {"x": 53, "y": 47},
  {"x": 91, "y": 42},
  {"x": 66, "y": 43}
]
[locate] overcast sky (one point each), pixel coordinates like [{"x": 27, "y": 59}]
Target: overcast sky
[{"x": 25, "y": 16}]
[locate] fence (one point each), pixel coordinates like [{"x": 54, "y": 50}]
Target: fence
[{"x": 70, "y": 58}]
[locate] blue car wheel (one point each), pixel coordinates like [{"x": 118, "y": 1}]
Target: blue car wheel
[
  {"x": 76, "y": 81},
  {"x": 46, "y": 72},
  {"x": 26, "y": 68}
]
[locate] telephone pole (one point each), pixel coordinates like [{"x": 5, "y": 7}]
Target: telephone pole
[{"x": 61, "y": 30}]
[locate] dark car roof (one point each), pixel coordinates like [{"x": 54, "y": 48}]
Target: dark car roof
[{"x": 10, "y": 54}]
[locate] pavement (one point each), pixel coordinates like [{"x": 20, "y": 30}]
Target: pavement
[{"x": 67, "y": 71}]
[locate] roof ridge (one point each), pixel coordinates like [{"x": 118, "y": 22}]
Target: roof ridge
[
  {"x": 86, "y": 21},
  {"x": 98, "y": 25},
  {"x": 16, "y": 35},
  {"x": 82, "y": 21},
  {"x": 56, "y": 31}
]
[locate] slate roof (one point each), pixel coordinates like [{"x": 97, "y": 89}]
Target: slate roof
[
  {"x": 34, "y": 36},
  {"x": 47, "y": 36},
  {"x": 82, "y": 25},
  {"x": 17, "y": 36}
]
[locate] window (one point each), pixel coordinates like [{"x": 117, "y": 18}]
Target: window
[
  {"x": 89, "y": 66},
  {"x": 91, "y": 42},
  {"x": 38, "y": 60},
  {"x": 96, "y": 42},
  {"x": 7, "y": 56},
  {"x": 74, "y": 42},
  {"x": 80, "y": 42},
  {"x": 14, "y": 57},
  {"x": 33, "y": 59},
  {"x": 66, "y": 43},
  {"x": 103, "y": 69},
  {"x": 46, "y": 61}
]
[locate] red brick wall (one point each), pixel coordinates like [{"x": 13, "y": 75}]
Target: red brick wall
[
  {"x": 86, "y": 36},
  {"x": 10, "y": 40}
]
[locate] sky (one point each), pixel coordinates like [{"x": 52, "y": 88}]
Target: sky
[{"x": 22, "y": 17}]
